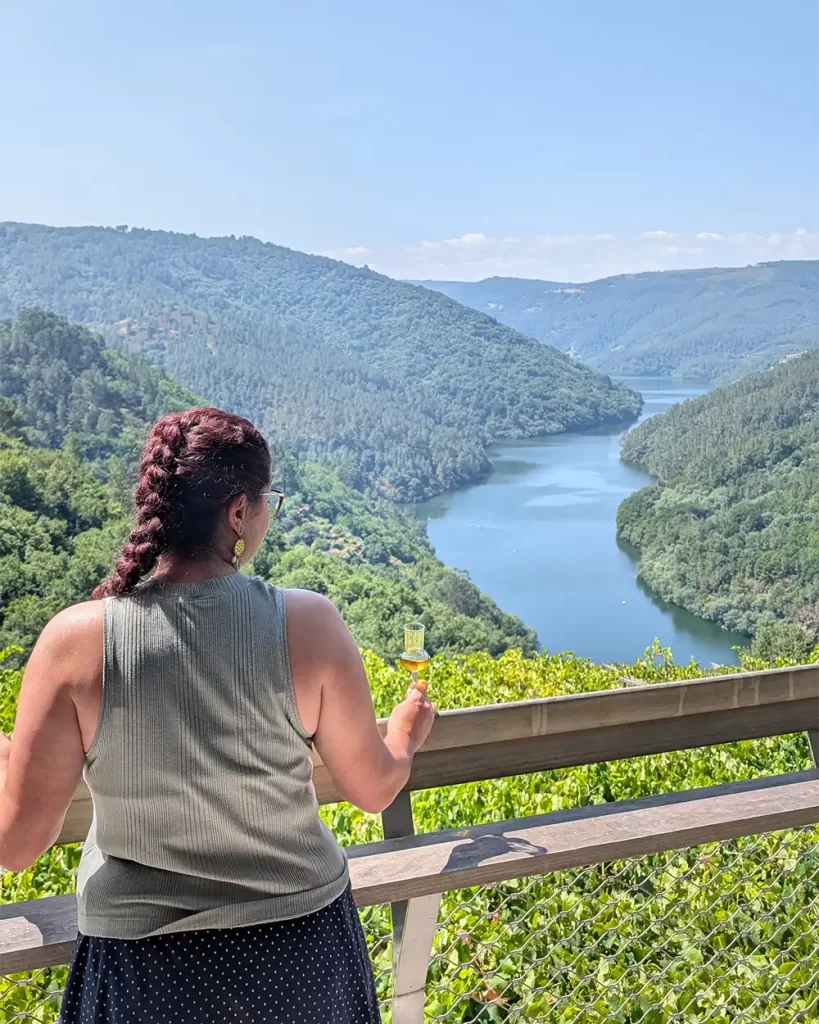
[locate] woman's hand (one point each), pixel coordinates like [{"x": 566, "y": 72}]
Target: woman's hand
[{"x": 413, "y": 717}]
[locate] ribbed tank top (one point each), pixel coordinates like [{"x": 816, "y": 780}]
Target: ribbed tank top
[{"x": 205, "y": 815}]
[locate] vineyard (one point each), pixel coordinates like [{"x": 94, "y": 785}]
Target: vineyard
[{"x": 714, "y": 934}]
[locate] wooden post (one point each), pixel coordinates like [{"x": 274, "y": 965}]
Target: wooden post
[
  {"x": 413, "y": 928},
  {"x": 411, "y": 959},
  {"x": 397, "y": 822}
]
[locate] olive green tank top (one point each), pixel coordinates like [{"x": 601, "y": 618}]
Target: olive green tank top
[{"x": 205, "y": 814}]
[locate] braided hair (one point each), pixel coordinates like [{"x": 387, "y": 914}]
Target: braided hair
[{"x": 192, "y": 464}]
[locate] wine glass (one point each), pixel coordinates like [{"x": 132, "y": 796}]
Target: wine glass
[{"x": 414, "y": 658}]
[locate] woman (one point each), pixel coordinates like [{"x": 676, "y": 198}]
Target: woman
[{"x": 190, "y": 696}]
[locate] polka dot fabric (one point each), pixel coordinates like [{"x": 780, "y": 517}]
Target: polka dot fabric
[{"x": 312, "y": 969}]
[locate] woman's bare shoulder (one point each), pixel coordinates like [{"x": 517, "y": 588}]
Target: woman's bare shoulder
[
  {"x": 315, "y": 629},
  {"x": 71, "y": 643},
  {"x": 76, "y": 624},
  {"x": 306, "y": 609}
]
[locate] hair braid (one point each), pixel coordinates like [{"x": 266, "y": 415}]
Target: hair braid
[{"x": 191, "y": 465}]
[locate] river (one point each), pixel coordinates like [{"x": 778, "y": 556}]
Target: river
[{"x": 539, "y": 537}]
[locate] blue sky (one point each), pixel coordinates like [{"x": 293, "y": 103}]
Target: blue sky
[{"x": 456, "y": 138}]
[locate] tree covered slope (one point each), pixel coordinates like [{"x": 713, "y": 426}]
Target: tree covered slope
[
  {"x": 72, "y": 417},
  {"x": 712, "y": 324},
  {"x": 59, "y": 379},
  {"x": 731, "y": 528},
  {"x": 396, "y": 386}
]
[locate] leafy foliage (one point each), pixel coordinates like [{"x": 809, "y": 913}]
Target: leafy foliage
[
  {"x": 706, "y": 324},
  {"x": 59, "y": 528},
  {"x": 398, "y": 387},
  {"x": 731, "y": 529}
]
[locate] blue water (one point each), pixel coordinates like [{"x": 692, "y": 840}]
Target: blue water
[{"x": 539, "y": 537}]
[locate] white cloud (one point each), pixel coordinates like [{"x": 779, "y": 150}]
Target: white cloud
[
  {"x": 349, "y": 254},
  {"x": 469, "y": 240},
  {"x": 572, "y": 258}
]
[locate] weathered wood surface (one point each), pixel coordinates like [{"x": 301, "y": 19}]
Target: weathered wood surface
[
  {"x": 40, "y": 933},
  {"x": 497, "y": 741},
  {"x": 439, "y": 861},
  {"x": 37, "y": 933}
]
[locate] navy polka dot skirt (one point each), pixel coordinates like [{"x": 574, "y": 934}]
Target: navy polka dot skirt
[{"x": 313, "y": 969}]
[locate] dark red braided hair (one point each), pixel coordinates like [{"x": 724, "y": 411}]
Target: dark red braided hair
[{"x": 193, "y": 463}]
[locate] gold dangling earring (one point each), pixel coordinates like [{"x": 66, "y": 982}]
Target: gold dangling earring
[{"x": 238, "y": 551}]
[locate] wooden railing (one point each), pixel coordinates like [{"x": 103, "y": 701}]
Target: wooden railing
[{"x": 411, "y": 872}]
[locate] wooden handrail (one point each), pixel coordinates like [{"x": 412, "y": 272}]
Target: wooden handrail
[
  {"x": 40, "y": 933},
  {"x": 497, "y": 741},
  {"x": 436, "y": 862}
]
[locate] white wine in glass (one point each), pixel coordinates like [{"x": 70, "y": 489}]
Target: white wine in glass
[{"x": 414, "y": 658}]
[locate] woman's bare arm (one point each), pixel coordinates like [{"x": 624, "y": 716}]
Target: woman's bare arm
[
  {"x": 335, "y": 703},
  {"x": 41, "y": 766}
]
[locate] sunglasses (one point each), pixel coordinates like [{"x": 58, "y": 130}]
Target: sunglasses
[{"x": 275, "y": 500}]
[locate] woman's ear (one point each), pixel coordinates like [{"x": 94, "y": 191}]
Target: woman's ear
[{"x": 237, "y": 514}]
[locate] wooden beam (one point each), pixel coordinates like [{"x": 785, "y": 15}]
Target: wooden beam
[
  {"x": 484, "y": 854},
  {"x": 497, "y": 741},
  {"x": 491, "y": 760},
  {"x": 37, "y": 933},
  {"x": 40, "y": 933},
  {"x": 397, "y": 821},
  {"x": 650, "y": 702}
]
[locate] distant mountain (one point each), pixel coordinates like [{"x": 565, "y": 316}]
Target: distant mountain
[
  {"x": 730, "y": 530},
  {"x": 708, "y": 324},
  {"x": 397, "y": 387}
]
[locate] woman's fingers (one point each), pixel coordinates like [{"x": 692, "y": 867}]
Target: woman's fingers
[{"x": 419, "y": 688}]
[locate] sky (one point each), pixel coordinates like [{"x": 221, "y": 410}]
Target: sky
[{"x": 452, "y": 139}]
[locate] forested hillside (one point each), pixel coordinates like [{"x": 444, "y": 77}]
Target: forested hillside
[
  {"x": 731, "y": 528},
  {"x": 394, "y": 385},
  {"x": 64, "y": 512},
  {"x": 712, "y": 324},
  {"x": 58, "y": 379}
]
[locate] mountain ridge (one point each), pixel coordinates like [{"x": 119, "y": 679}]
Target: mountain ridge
[
  {"x": 714, "y": 323},
  {"x": 400, "y": 388}
]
